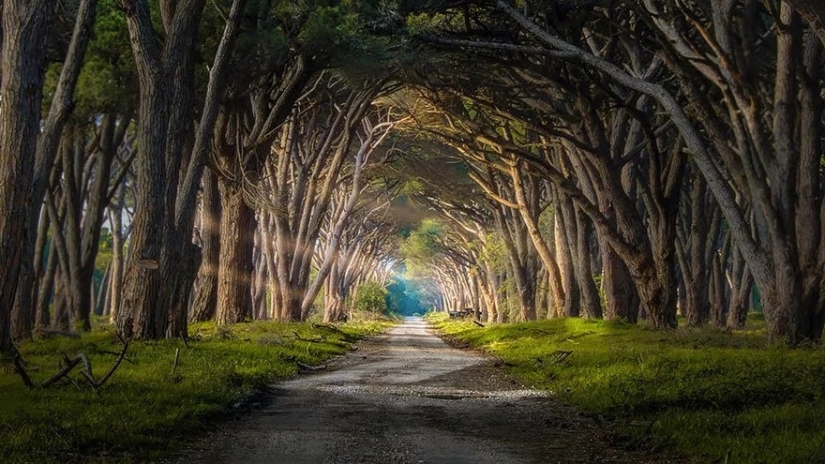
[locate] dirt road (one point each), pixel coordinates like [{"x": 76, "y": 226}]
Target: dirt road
[{"x": 407, "y": 397}]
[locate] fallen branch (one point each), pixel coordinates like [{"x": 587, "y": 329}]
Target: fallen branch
[
  {"x": 20, "y": 367},
  {"x": 114, "y": 367},
  {"x": 560, "y": 355},
  {"x": 68, "y": 365},
  {"x": 478, "y": 323},
  {"x": 307, "y": 367},
  {"x": 331, "y": 327},
  {"x": 81, "y": 358},
  {"x": 184, "y": 338},
  {"x": 177, "y": 358}
]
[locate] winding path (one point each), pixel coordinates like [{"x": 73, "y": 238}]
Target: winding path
[{"x": 407, "y": 397}]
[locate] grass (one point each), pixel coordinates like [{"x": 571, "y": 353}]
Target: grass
[
  {"x": 707, "y": 394},
  {"x": 148, "y": 406}
]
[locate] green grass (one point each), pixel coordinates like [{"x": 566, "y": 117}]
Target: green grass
[
  {"x": 703, "y": 393},
  {"x": 147, "y": 407}
]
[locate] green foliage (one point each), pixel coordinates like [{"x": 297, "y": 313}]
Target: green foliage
[
  {"x": 105, "y": 251},
  {"x": 371, "y": 298},
  {"x": 701, "y": 392},
  {"x": 148, "y": 406},
  {"x": 422, "y": 246},
  {"x": 108, "y": 81}
]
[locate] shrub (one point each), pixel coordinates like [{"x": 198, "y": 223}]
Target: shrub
[{"x": 371, "y": 297}]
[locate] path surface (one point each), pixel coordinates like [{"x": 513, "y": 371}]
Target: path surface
[{"x": 407, "y": 397}]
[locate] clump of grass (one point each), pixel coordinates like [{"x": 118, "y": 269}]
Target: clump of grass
[
  {"x": 705, "y": 393},
  {"x": 150, "y": 403}
]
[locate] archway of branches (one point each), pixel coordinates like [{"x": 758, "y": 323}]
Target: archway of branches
[{"x": 644, "y": 161}]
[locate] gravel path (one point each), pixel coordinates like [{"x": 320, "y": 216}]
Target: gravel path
[{"x": 407, "y": 397}]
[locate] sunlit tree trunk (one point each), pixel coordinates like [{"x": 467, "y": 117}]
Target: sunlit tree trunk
[
  {"x": 204, "y": 299},
  {"x": 237, "y": 233}
]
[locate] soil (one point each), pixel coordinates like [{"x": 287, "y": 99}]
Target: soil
[{"x": 408, "y": 397}]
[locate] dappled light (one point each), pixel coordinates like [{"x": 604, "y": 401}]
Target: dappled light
[{"x": 621, "y": 204}]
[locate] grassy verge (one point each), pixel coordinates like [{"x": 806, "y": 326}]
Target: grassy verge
[
  {"x": 149, "y": 405},
  {"x": 707, "y": 394}
]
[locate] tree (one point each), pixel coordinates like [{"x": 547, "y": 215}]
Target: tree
[
  {"x": 166, "y": 180},
  {"x": 24, "y": 26}
]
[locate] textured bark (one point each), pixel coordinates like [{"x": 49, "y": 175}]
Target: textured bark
[
  {"x": 24, "y": 28},
  {"x": 47, "y": 143},
  {"x": 204, "y": 300},
  {"x": 164, "y": 217},
  {"x": 118, "y": 238},
  {"x": 691, "y": 251},
  {"x": 523, "y": 261},
  {"x": 565, "y": 243},
  {"x": 234, "y": 297},
  {"x": 24, "y": 314},
  {"x": 814, "y": 13},
  {"x": 560, "y": 301},
  {"x": 591, "y": 305},
  {"x": 621, "y": 298},
  {"x": 259, "y": 310}
]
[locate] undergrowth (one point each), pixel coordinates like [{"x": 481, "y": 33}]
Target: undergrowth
[
  {"x": 150, "y": 403},
  {"x": 708, "y": 394}
]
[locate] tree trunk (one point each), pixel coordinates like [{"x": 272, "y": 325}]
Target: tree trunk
[
  {"x": 205, "y": 298},
  {"x": 24, "y": 28},
  {"x": 565, "y": 237},
  {"x": 235, "y": 271},
  {"x": 259, "y": 287},
  {"x": 591, "y": 303},
  {"x": 116, "y": 282}
]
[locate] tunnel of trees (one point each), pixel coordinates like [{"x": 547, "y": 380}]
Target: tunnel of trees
[{"x": 656, "y": 161}]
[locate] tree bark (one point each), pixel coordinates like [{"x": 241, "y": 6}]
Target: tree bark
[
  {"x": 235, "y": 273},
  {"x": 24, "y": 28},
  {"x": 205, "y": 299}
]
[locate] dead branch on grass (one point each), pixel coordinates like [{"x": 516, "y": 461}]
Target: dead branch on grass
[
  {"x": 560, "y": 356},
  {"x": 19, "y": 366},
  {"x": 82, "y": 358},
  {"x": 307, "y": 367}
]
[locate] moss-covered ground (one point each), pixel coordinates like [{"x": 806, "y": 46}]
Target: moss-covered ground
[
  {"x": 707, "y": 394},
  {"x": 151, "y": 404}
]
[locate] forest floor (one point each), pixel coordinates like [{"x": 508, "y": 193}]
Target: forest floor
[{"x": 408, "y": 397}]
